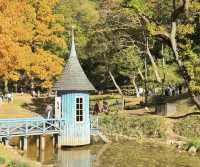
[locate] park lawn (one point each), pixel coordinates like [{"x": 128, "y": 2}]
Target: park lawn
[
  {"x": 133, "y": 107},
  {"x": 16, "y": 109}
]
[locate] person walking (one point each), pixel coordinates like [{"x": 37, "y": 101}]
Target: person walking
[
  {"x": 9, "y": 97},
  {"x": 21, "y": 91},
  {"x": 105, "y": 107},
  {"x": 49, "y": 111},
  {"x": 1, "y": 98},
  {"x": 96, "y": 108}
]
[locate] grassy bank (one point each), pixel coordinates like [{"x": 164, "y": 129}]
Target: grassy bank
[
  {"x": 188, "y": 127},
  {"x": 11, "y": 158},
  {"x": 183, "y": 132},
  {"x": 135, "y": 126}
]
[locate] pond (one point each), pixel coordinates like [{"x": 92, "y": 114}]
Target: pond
[{"x": 123, "y": 154}]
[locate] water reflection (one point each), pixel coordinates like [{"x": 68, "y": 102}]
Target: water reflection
[
  {"x": 125, "y": 154},
  {"x": 74, "y": 158},
  {"x": 46, "y": 156}
]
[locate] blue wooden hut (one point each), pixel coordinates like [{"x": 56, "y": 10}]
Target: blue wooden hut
[{"x": 72, "y": 101}]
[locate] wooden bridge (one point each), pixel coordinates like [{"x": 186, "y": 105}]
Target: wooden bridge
[{"x": 36, "y": 126}]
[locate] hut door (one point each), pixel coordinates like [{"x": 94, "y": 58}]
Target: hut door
[{"x": 58, "y": 107}]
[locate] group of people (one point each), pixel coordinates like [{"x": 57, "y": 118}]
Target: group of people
[
  {"x": 173, "y": 90},
  {"x": 98, "y": 109},
  {"x": 7, "y": 97},
  {"x": 170, "y": 90}
]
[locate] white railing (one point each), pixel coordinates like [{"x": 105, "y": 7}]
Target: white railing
[
  {"x": 94, "y": 122},
  {"x": 37, "y": 126},
  {"x": 28, "y": 127}
]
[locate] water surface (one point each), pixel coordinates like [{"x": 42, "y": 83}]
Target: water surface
[{"x": 123, "y": 154}]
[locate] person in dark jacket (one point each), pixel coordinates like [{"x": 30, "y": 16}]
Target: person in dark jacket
[{"x": 96, "y": 108}]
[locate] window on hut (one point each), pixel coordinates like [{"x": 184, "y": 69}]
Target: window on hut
[{"x": 79, "y": 109}]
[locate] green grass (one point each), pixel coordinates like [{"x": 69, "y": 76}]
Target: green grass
[
  {"x": 17, "y": 164},
  {"x": 114, "y": 101},
  {"x": 12, "y": 159},
  {"x": 135, "y": 126},
  {"x": 185, "y": 106},
  {"x": 188, "y": 127},
  {"x": 194, "y": 142},
  {"x": 104, "y": 97},
  {"x": 2, "y": 160}
]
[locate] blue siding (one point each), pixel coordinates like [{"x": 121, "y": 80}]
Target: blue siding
[{"x": 75, "y": 133}]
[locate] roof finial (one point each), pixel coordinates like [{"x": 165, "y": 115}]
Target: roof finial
[{"x": 73, "y": 50}]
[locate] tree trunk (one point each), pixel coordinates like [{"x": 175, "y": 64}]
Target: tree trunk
[
  {"x": 145, "y": 83},
  {"x": 135, "y": 86},
  {"x": 183, "y": 71},
  {"x": 163, "y": 71},
  {"x": 32, "y": 83},
  {"x": 5, "y": 85},
  {"x": 170, "y": 39},
  {"x": 155, "y": 68},
  {"x": 119, "y": 90},
  {"x": 16, "y": 87}
]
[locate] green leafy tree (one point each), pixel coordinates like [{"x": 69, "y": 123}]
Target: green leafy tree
[
  {"x": 83, "y": 15},
  {"x": 175, "y": 27}
]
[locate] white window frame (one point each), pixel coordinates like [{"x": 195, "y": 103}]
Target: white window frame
[{"x": 83, "y": 103}]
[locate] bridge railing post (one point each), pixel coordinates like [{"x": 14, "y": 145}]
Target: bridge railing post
[
  {"x": 8, "y": 131},
  {"x": 26, "y": 128},
  {"x": 94, "y": 122},
  {"x": 97, "y": 122},
  {"x": 44, "y": 126},
  {"x": 25, "y": 143}
]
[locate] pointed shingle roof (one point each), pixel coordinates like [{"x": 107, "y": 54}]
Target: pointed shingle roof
[{"x": 73, "y": 77}]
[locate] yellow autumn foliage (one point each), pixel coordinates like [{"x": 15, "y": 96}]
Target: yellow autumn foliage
[
  {"x": 24, "y": 24},
  {"x": 45, "y": 65}
]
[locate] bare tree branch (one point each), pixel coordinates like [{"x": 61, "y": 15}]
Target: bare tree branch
[
  {"x": 153, "y": 63},
  {"x": 118, "y": 88},
  {"x": 141, "y": 75},
  {"x": 135, "y": 85}
]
